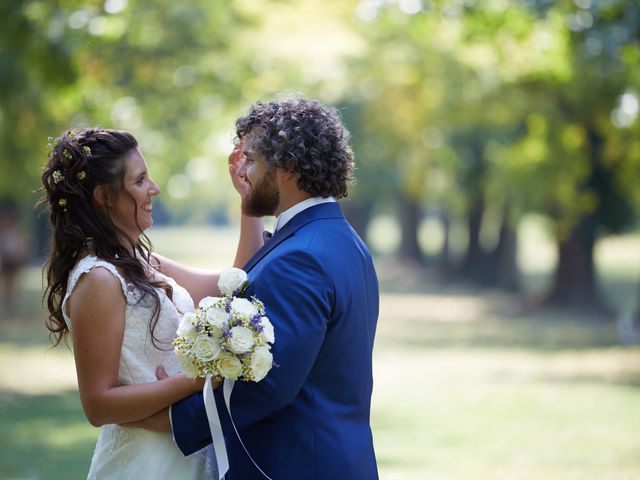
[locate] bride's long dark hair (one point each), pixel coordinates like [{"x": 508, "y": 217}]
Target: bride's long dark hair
[{"x": 78, "y": 162}]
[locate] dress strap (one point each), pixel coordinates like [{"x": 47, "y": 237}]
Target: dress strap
[{"x": 85, "y": 265}]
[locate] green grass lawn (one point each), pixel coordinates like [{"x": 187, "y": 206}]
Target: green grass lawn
[{"x": 467, "y": 384}]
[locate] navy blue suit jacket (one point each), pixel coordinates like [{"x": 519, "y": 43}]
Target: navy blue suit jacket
[{"x": 309, "y": 418}]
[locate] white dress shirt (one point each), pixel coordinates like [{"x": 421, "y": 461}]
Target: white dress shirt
[{"x": 288, "y": 214}]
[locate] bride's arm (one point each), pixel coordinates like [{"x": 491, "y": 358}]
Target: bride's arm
[
  {"x": 198, "y": 282},
  {"x": 251, "y": 239},
  {"x": 202, "y": 283},
  {"x": 97, "y": 307}
]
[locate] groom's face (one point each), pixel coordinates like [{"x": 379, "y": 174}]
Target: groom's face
[{"x": 263, "y": 197}]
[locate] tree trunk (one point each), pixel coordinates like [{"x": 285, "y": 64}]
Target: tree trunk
[
  {"x": 505, "y": 258},
  {"x": 445, "y": 262},
  {"x": 474, "y": 265},
  {"x": 574, "y": 279},
  {"x": 41, "y": 235},
  {"x": 358, "y": 214},
  {"x": 410, "y": 217},
  {"x": 638, "y": 305}
]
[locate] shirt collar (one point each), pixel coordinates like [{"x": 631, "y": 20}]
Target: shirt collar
[{"x": 288, "y": 214}]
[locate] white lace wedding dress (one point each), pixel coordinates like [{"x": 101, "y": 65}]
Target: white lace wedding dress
[{"x": 132, "y": 453}]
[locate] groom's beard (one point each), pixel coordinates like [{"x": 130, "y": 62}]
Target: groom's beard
[{"x": 264, "y": 197}]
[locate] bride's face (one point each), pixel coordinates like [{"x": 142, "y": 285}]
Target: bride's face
[{"x": 132, "y": 209}]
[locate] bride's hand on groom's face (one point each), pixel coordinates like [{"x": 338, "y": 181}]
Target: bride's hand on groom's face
[{"x": 236, "y": 159}]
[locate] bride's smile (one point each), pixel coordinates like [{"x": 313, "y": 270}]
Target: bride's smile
[{"x": 140, "y": 189}]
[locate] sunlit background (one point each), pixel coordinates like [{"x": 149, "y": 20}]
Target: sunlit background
[{"x": 498, "y": 154}]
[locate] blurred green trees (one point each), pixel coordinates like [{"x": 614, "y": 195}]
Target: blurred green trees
[
  {"x": 469, "y": 112},
  {"x": 161, "y": 69},
  {"x": 489, "y": 110}
]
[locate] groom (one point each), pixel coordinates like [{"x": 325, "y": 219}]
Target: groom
[{"x": 309, "y": 418}]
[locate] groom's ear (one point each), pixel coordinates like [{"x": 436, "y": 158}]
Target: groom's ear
[{"x": 288, "y": 177}]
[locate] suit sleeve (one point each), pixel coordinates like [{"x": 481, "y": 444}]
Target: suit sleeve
[
  {"x": 190, "y": 424},
  {"x": 298, "y": 295}
]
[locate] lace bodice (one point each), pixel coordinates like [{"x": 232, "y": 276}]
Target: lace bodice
[
  {"x": 124, "y": 453},
  {"x": 139, "y": 356}
]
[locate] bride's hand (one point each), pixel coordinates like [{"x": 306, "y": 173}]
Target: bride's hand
[
  {"x": 158, "y": 422},
  {"x": 198, "y": 383},
  {"x": 236, "y": 159}
]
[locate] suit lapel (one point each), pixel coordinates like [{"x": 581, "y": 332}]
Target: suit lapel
[{"x": 317, "y": 212}]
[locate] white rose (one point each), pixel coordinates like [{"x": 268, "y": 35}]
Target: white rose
[
  {"x": 229, "y": 366},
  {"x": 206, "y": 348},
  {"x": 241, "y": 340},
  {"x": 217, "y": 319},
  {"x": 231, "y": 279},
  {"x": 261, "y": 362},
  {"x": 267, "y": 334},
  {"x": 244, "y": 307},
  {"x": 187, "y": 366},
  {"x": 207, "y": 302},
  {"x": 186, "y": 328}
]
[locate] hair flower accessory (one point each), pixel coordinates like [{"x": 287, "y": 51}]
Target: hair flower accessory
[
  {"x": 87, "y": 151},
  {"x": 67, "y": 154},
  {"x": 63, "y": 203},
  {"x": 57, "y": 176},
  {"x": 52, "y": 142},
  {"x": 81, "y": 175}
]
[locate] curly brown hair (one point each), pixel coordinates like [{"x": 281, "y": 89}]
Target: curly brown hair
[
  {"x": 306, "y": 137},
  {"x": 78, "y": 162}
]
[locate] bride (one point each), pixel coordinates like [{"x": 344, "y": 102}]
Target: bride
[{"x": 115, "y": 299}]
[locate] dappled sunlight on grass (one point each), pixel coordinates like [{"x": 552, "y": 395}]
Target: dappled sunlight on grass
[
  {"x": 44, "y": 436},
  {"x": 485, "y": 415},
  {"x": 472, "y": 384},
  {"x": 36, "y": 369},
  {"x": 444, "y": 367},
  {"x": 50, "y": 433},
  {"x": 438, "y": 308},
  {"x": 475, "y": 321}
]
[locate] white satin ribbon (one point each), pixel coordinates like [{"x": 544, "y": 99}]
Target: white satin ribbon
[
  {"x": 216, "y": 429},
  {"x": 227, "y": 388}
]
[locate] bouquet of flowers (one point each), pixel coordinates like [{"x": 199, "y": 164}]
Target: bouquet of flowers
[{"x": 226, "y": 337}]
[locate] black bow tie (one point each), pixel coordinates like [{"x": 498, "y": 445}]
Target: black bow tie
[{"x": 266, "y": 236}]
